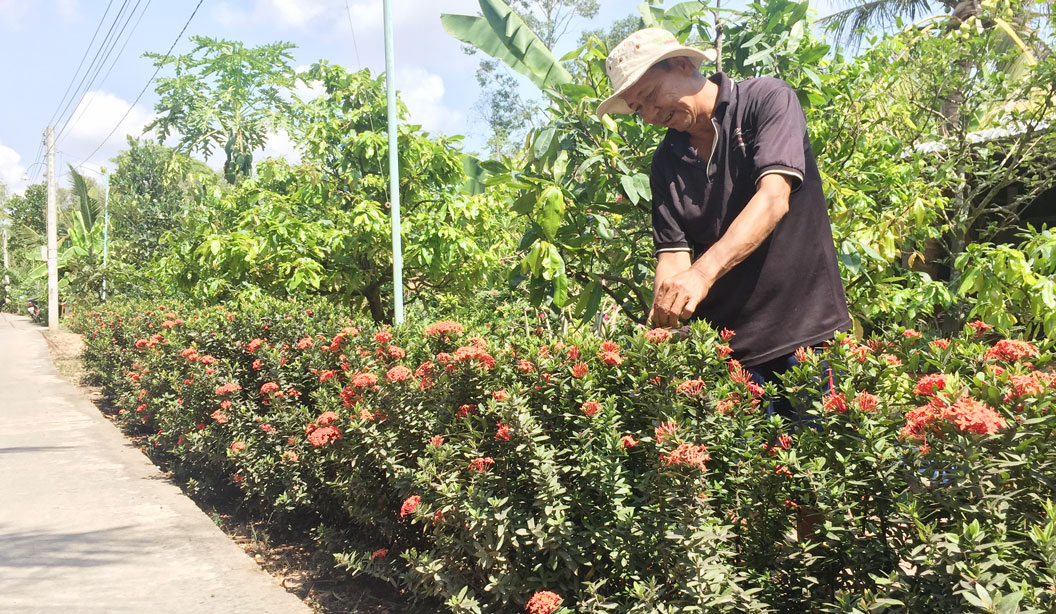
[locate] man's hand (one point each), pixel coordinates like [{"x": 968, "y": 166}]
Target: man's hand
[{"x": 676, "y": 297}]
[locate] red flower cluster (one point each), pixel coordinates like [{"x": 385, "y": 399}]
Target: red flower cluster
[
  {"x": 254, "y": 345},
  {"x": 610, "y": 354},
  {"x": 664, "y": 431},
  {"x": 436, "y": 441},
  {"x": 481, "y": 464},
  {"x": 447, "y": 327},
  {"x": 503, "y": 431},
  {"x": 380, "y": 553},
  {"x": 866, "y": 401},
  {"x": 1024, "y": 385},
  {"x": 687, "y": 454},
  {"x": 543, "y": 602},
  {"x": 465, "y": 409},
  {"x": 238, "y": 446},
  {"x": 228, "y": 388},
  {"x": 410, "y": 504},
  {"x": 383, "y": 337},
  {"x": 327, "y": 374},
  {"x": 190, "y": 354},
  {"x": 909, "y": 333},
  {"x": 151, "y": 342},
  {"x": 967, "y": 414},
  {"x": 930, "y": 385},
  {"x": 327, "y": 417},
  {"x": 580, "y": 369},
  {"x": 475, "y": 351},
  {"x": 980, "y": 327},
  {"x": 727, "y": 334},
  {"x": 525, "y": 366},
  {"x": 398, "y": 373},
  {"x": 305, "y": 343},
  {"x": 500, "y": 395},
  {"x": 269, "y": 387},
  {"x": 658, "y": 335},
  {"x": 803, "y": 354},
  {"x": 590, "y": 408},
  {"x": 363, "y": 380},
  {"x": 836, "y": 402},
  {"x": 219, "y": 416},
  {"x": 322, "y": 435},
  {"x": 628, "y": 441},
  {"x": 1011, "y": 350},
  {"x": 691, "y": 387}
]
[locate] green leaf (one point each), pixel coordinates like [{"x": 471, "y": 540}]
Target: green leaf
[
  {"x": 543, "y": 140},
  {"x": 550, "y": 211}
]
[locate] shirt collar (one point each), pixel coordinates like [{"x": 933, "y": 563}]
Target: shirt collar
[{"x": 727, "y": 93}]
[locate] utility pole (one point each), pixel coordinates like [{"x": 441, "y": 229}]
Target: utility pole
[
  {"x": 106, "y": 226},
  {"x": 394, "y": 166},
  {"x": 53, "y": 243}
]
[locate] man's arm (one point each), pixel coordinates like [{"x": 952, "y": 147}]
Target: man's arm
[{"x": 678, "y": 292}]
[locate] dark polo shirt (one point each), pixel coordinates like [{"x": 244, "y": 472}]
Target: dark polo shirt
[{"x": 787, "y": 293}]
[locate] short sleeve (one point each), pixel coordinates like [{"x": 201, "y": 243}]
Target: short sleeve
[
  {"x": 668, "y": 235},
  {"x": 779, "y": 142}
]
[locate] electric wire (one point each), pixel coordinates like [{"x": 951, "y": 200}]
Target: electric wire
[
  {"x": 88, "y": 103},
  {"x": 143, "y": 91},
  {"x": 92, "y": 81},
  {"x": 77, "y": 90},
  {"x": 81, "y": 63}
]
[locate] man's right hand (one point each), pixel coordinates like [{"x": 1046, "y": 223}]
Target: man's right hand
[
  {"x": 676, "y": 297},
  {"x": 668, "y": 266}
]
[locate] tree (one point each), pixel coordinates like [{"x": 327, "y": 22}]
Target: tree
[
  {"x": 150, "y": 191},
  {"x": 224, "y": 95},
  {"x": 29, "y": 209},
  {"x": 323, "y": 226}
]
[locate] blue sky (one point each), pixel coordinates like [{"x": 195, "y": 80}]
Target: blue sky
[{"x": 42, "y": 42}]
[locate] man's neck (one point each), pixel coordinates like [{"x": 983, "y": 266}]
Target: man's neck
[{"x": 705, "y": 101}]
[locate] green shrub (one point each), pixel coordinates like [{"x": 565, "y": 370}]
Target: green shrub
[{"x": 490, "y": 465}]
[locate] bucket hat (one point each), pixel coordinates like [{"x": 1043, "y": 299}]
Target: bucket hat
[{"x": 635, "y": 55}]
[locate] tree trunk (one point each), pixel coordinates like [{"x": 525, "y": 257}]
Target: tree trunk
[{"x": 378, "y": 312}]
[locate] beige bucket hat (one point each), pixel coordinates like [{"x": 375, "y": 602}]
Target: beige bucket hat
[{"x": 636, "y": 54}]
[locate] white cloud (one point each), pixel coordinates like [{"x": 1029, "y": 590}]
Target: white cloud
[
  {"x": 68, "y": 10},
  {"x": 12, "y": 12},
  {"x": 228, "y": 16},
  {"x": 279, "y": 145},
  {"x": 96, "y": 115},
  {"x": 11, "y": 169},
  {"x": 309, "y": 91},
  {"x": 423, "y": 93}
]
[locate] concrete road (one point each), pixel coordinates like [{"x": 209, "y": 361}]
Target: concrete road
[{"x": 88, "y": 524}]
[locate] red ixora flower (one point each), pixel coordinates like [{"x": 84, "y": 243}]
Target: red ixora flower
[
  {"x": 383, "y": 337},
  {"x": 238, "y": 446},
  {"x": 1011, "y": 350},
  {"x": 398, "y": 373},
  {"x": 465, "y": 409},
  {"x": 691, "y": 387},
  {"x": 783, "y": 470},
  {"x": 363, "y": 380},
  {"x": 658, "y": 335},
  {"x": 910, "y": 333},
  {"x": 836, "y": 402},
  {"x": 500, "y": 395},
  {"x": 305, "y": 343},
  {"x": 409, "y": 505},
  {"x": 447, "y": 327},
  {"x": 543, "y": 602},
  {"x": 436, "y": 441},
  {"x": 580, "y": 369},
  {"x": 687, "y": 454},
  {"x": 1025, "y": 385},
  {"x": 254, "y": 345},
  {"x": 379, "y": 553},
  {"x": 590, "y": 408},
  {"x": 481, "y": 463},
  {"x": 727, "y": 334},
  {"x": 628, "y": 441},
  {"x": 526, "y": 366},
  {"x": 664, "y": 431},
  {"x": 503, "y": 431},
  {"x": 269, "y": 387},
  {"x": 804, "y": 353},
  {"x": 930, "y": 385},
  {"x": 866, "y": 401},
  {"x": 327, "y": 417},
  {"x": 228, "y": 388},
  {"x": 322, "y": 435},
  {"x": 980, "y": 327},
  {"x": 611, "y": 358}
]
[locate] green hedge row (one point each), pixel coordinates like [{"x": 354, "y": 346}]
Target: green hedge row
[{"x": 498, "y": 467}]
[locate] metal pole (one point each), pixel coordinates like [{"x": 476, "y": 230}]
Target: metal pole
[
  {"x": 106, "y": 227},
  {"x": 394, "y": 166},
  {"x": 53, "y": 244}
]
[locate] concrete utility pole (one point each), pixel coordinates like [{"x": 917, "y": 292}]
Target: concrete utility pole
[
  {"x": 394, "y": 165},
  {"x": 53, "y": 242},
  {"x": 106, "y": 226}
]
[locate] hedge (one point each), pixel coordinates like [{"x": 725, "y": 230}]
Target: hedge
[{"x": 503, "y": 467}]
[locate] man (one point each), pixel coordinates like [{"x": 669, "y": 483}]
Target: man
[{"x": 740, "y": 225}]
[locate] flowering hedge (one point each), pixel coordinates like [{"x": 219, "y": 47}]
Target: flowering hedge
[{"x": 500, "y": 468}]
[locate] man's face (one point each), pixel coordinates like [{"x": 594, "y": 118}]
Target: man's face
[{"x": 665, "y": 97}]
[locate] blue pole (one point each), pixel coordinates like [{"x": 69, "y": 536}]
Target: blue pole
[
  {"x": 394, "y": 166},
  {"x": 106, "y": 227}
]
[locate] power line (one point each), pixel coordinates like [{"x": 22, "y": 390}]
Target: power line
[
  {"x": 98, "y": 69},
  {"x": 83, "y": 58},
  {"x": 84, "y": 109},
  {"x": 92, "y": 63},
  {"x": 143, "y": 91}
]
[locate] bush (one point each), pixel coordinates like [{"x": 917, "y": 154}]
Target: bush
[{"x": 499, "y": 467}]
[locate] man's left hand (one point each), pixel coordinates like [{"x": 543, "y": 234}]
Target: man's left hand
[{"x": 677, "y": 297}]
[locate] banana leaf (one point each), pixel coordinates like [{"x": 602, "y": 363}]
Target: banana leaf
[{"x": 501, "y": 34}]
